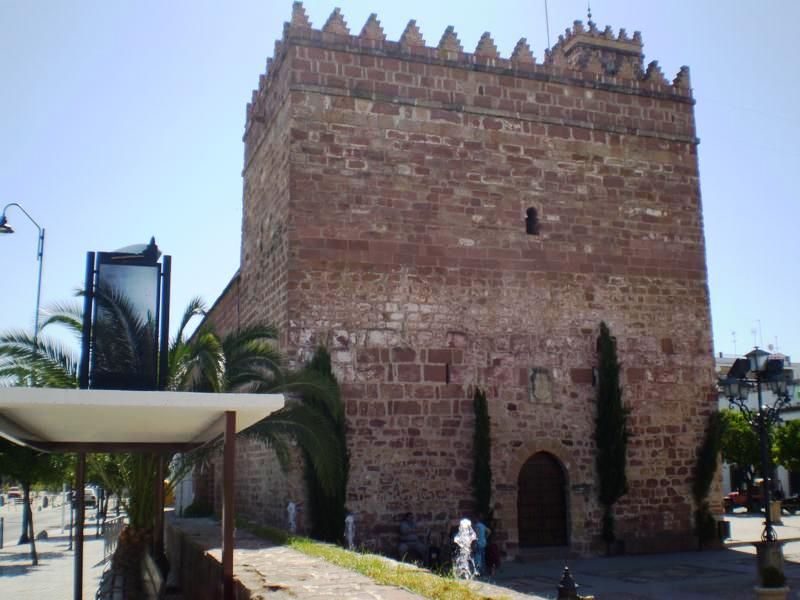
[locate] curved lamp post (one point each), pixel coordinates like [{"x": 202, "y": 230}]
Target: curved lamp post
[
  {"x": 755, "y": 370},
  {"x": 6, "y": 228}
]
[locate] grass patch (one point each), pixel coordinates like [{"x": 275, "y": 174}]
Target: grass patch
[{"x": 375, "y": 567}]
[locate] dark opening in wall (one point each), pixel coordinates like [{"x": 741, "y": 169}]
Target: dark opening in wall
[{"x": 532, "y": 222}]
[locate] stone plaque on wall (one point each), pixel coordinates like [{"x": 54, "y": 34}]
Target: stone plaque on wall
[{"x": 540, "y": 385}]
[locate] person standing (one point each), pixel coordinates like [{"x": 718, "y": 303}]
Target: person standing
[{"x": 483, "y": 533}]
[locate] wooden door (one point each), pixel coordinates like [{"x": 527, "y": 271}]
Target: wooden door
[{"x": 542, "y": 502}]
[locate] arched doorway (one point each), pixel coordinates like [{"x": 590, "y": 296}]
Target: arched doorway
[{"x": 542, "y": 502}]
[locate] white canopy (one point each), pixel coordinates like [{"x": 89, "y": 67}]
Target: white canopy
[
  {"x": 55, "y": 419},
  {"x": 133, "y": 421}
]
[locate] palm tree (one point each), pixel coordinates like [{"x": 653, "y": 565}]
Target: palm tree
[
  {"x": 42, "y": 362},
  {"x": 247, "y": 361},
  {"x": 243, "y": 361},
  {"x": 328, "y": 509}
]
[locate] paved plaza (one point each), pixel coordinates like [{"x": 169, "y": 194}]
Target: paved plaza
[
  {"x": 728, "y": 574},
  {"x": 52, "y": 578},
  {"x": 724, "y": 574}
]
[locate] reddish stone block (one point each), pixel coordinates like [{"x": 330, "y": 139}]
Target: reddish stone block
[
  {"x": 424, "y": 391},
  {"x": 406, "y": 407},
  {"x": 408, "y": 372},
  {"x": 403, "y": 355},
  {"x": 581, "y": 376},
  {"x": 352, "y": 390},
  {"x": 440, "y": 407},
  {"x": 440, "y": 356},
  {"x": 435, "y": 373}
]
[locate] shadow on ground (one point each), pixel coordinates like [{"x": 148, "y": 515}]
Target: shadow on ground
[{"x": 13, "y": 564}]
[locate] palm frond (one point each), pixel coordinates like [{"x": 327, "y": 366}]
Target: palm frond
[
  {"x": 46, "y": 362},
  {"x": 254, "y": 364},
  {"x": 313, "y": 434},
  {"x": 196, "y": 307},
  {"x": 199, "y": 366},
  {"x": 67, "y": 314},
  {"x": 317, "y": 390}
]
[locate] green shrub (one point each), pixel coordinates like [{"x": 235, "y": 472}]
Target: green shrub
[{"x": 198, "y": 509}]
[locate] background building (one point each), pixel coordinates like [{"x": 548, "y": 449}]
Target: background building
[{"x": 442, "y": 220}]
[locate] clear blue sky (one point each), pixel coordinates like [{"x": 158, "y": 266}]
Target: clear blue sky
[{"x": 122, "y": 120}]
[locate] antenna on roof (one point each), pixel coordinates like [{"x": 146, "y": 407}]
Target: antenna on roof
[{"x": 547, "y": 23}]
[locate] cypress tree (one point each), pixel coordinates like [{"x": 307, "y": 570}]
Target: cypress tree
[
  {"x": 482, "y": 456},
  {"x": 706, "y": 467},
  {"x": 611, "y": 432},
  {"x": 327, "y": 510}
]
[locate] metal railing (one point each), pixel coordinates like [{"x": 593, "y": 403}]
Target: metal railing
[{"x": 111, "y": 530}]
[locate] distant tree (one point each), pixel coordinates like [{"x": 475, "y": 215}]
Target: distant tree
[
  {"x": 29, "y": 467},
  {"x": 739, "y": 444},
  {"x": 42, "y": 362},
  {"x": 786, "y": 445},
  {"x": 611, "y": 431}
]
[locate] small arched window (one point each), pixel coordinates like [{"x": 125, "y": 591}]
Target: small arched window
[{"x": 532, "y": 222}]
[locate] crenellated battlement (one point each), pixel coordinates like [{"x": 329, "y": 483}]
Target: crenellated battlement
[
  {"x": 586, "y": 49},
  {"x": 584, "y": 55},
  {"x": 599, "y": 52}
]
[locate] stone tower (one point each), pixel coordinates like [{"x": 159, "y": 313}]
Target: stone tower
[{"x": 444, "y": 220}]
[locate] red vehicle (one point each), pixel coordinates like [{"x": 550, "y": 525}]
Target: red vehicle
[
  {"x": 14, "y": 495},
  {"x": 752, "y": 500}
]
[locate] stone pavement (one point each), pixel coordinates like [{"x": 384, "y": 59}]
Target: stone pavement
[
  {"x": 724, "y": 574},
  {"x": 281, "y": 572},
  {"x": 728, "y": 574},
  {"x": 52, "y": 578}
]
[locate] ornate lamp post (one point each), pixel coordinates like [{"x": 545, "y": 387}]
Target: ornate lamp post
[
  {"x": 756, "y": 370},
  {"x": 6, "y": 228}
]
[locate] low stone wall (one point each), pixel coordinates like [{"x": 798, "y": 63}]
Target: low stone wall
[
  {"x": 261, "y": 569},
  {"x": 264, "y": 570},
  {"x": 193, "y": 564}
]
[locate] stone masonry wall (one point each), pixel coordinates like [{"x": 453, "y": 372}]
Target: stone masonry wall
[
  {"x": 386, "y": 189},
  {"x": 257, "y": 294},
  {"x": 225, "y": 314},
  {"x": 263, "y": 489}
]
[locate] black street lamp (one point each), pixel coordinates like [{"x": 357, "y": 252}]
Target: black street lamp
[
  {"x": 757, "y": 368},
  {"x": 6, "y": 228}
]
